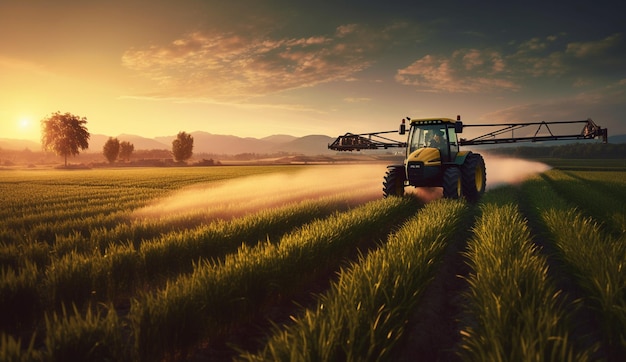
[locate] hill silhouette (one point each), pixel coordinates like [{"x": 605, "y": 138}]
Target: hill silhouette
[
  {"x": 214, "y": 144},
  {"x": 204, "y": 142}
]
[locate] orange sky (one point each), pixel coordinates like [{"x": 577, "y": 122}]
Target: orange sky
[{"x": 258, "y": 68}]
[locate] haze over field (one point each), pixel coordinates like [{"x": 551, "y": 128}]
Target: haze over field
[
  {"x": 258, "y": 68},
  {"x": 354, "y": 183}
]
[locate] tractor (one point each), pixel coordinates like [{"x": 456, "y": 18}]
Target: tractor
[{"x": 433, "y": 156}]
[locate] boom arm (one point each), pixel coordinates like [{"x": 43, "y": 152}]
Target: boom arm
[
  {"x": 589, "y": 131},
  {"x": 374, "y": 140},
  {"x": 365, "y": 141}
]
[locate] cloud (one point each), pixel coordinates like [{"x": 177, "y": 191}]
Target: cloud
[
  {"x": 466, "y": 71},
  {"x": 234, "y": 66},
  {"x": 357, "y": 99},
  {"x": 489, "y": 70},
  {"x": 594, "y": 48},
  {"x": 547, "y": 57}
]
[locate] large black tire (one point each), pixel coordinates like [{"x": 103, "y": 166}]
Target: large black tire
[
  {"x": 452, "y": 186},
  {"x": 474, "y": 177},
  {"x": 393, "y": 185}
]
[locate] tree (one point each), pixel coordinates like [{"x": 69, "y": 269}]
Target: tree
[
  {"x": 126, "y": 149},
  {"x": 65, "y": 134},
  {"x": 182, "y": 147},
  {"x": 111, "y": 149}
]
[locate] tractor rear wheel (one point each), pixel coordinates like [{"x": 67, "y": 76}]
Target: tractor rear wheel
[
  {"x": 394, "y": 181},
  {"x": 452, "y": 186},
  {"x": 474, "y": 177}
]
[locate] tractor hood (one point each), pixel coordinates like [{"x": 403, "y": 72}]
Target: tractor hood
[{"x": 427, "y": 155}]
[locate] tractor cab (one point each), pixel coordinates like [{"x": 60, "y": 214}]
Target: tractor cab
[
  {"x": 431, "y": 145},
  {"x": 438, "y": 135}
]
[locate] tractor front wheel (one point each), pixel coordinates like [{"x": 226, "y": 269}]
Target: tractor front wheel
[
  {"x": 452, "y": 186},
  {"x": 394, "y": 181}
]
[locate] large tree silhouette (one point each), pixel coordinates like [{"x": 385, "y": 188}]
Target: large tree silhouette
[
  {"x": 65, "y": 134},
  {"x": 182, "y": 147}
]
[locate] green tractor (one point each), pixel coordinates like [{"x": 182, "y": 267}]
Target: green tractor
[{"x": 433, "y": 157}]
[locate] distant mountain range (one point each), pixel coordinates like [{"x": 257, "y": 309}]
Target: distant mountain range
[
  {"x": 226, "y": 144},
  {"x": 204, "y": 142}
]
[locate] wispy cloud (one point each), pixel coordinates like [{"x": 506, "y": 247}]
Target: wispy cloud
[
  {"x": 234, "y": 67},
  {"x": 357, "y": 99},
  {"x": 488, "y": 70},
  {"x": 594, "y": 48},
  {"x": 466, "y": 71}
]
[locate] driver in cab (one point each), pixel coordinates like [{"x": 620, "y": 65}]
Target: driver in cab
[{"x": 437, "y": 140}]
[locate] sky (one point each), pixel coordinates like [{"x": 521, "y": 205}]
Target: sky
[{"x": 255, "y": 68}]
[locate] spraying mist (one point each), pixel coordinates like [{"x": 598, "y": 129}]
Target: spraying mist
[
  {"x": 510, "y": 171},
  {"x": 356, "y": 183},
  {"x": 235, "y": 197}
]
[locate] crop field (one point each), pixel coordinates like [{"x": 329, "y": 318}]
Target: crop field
[{"x": 309, "y": 263}]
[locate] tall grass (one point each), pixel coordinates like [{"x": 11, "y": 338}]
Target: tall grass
[
  {"x": 513, "y": 312},
  {"x": 594, "y": 258},
  {"x": 174, "y": 252},
  {"x": 603, "y": 200},
  {"x": 20, "y": 301},
  {"x": 84, "y": 275},
  {"x": 363, "y": 315},
  {"x": 71, "y": 336},
  {"x": 221, "y": 294},
  {"x": 12, "y": 349}
]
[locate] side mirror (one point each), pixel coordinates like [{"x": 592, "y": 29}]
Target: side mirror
[
  {"x": 402, "y": 129},
  {"x": 458, "y": 127}
]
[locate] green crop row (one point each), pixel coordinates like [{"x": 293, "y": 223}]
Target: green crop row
[
  {"x": 364, "y": 313},
  {"x": 594, "y": 258},
  {"x": 513, "y": 311},
  {"x": 218, "y": 295},
  {"x": 601, "y": 200},
  {"x": 78, "y": 278},
  {"x": 36, "y": 197}
]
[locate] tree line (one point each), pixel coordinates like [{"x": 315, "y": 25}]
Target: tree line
[{"x": 66, "y": 135}]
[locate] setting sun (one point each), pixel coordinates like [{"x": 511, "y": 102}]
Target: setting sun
[
  {"x": 24, "y": 123},
  {"x": 27, "y": 128}
]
